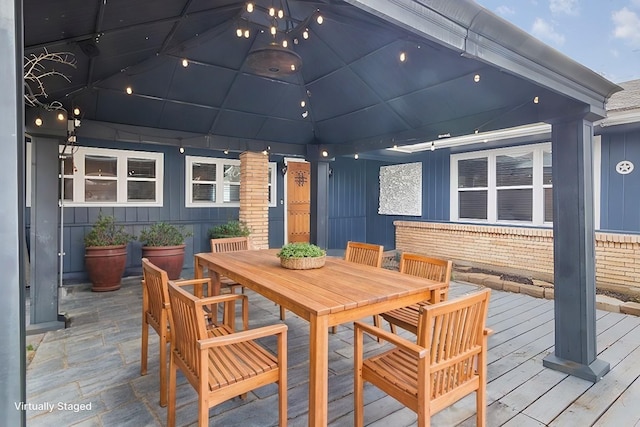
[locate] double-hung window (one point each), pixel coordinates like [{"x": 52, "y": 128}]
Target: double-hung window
[
  {"x": 510, "y": 185},
  {"x": 105, "y": 177},
  {"x": 214, "y": 182}
]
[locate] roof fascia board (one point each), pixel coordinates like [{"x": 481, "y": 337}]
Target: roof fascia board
[{"x": 106, "y": 131}]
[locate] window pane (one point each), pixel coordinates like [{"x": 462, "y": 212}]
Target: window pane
[
  {"x": 515, "y": 205},
  {"x": 204, "y": 172},
  {"x": 546, "y": 177},
  {"x": 472, "y": 173},
  {"x": 548, "y": 204},
  {"x": 141, "y": 190},
  {"x": 100, "y": 190},
  {"x": 100, "y": 166},
  {"x": 231, "y": 193},
  {"x": 473, "y": 204},
  {"x": 68, "y": 166},
  {"x": 204, "y": 192},
  {"x": 68, "y": 189},
  {"x": 141, "y": 168},
  {"x": 232, "y": 173},
  {"x": 514, "y": 170}
]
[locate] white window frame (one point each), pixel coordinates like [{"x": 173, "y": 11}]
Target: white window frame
[
  {"x": 122, "y": 178},
  {"x": 492, "y": 189},
  {"x": 219, "y": 183}
]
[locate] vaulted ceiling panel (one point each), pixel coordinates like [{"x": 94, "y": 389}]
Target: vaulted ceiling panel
[
  {"x": 213, "y": 84},
  {"x": 187, "y": 118},
  {"x": 121, "y": 108},
  {"x": 125, "y": 13}
]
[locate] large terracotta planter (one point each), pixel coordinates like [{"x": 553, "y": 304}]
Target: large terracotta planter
[
  {"x": 105, "y": 265},
  {"x": 168, "y": 258}
]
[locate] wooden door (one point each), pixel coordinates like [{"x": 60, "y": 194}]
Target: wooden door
[{"x": 298, "y": 201}]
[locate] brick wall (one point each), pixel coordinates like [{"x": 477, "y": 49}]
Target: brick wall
[
  {"x": 254, "y": 197},
  {"x": 528, "y": 250}
]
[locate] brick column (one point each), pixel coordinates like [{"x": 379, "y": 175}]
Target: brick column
[{"x": 254, "y": 197}]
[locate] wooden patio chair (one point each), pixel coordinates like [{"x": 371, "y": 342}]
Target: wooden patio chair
[
  {"x": 421, "y": 266},
  {"x": 233, "y": 244},
  {"x": 155, "y": 306},
  {"x": 448, "y": 362},
  {"x": 218, "y": 363},
  {"x": 366, "y": 254},
  {"x": 230, "y": 244}
]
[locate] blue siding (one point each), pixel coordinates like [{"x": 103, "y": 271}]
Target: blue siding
[
  {"x": 354, "y": 198},
  {"x": 620, "y": 194},
  {"x": 79, "y": 220}
]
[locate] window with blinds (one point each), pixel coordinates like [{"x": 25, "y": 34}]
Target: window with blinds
[
  {"x": 510, "y": 185},
  {"x": 216, "y": 182}
]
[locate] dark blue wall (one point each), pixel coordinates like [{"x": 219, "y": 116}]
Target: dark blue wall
[
  {"x": 354, "y": 197},
  {"x": 78, "y": 220},
  {"x": 620, "y": 196}
]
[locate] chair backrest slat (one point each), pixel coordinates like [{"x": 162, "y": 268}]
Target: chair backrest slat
[
  {"x": 155, "y": 283},
  {"x": 453, "y": 331},
  {"x": 364, "y": 253},
  {"x": 429, "y": 268},
  {"x": 230, "y": 244},
  {"x": 188, "y": 326}
]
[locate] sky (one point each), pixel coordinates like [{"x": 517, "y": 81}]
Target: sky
[{"x": 603, "y": 35}]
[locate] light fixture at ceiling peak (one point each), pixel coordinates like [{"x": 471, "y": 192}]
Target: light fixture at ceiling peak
[{"x": 273, "y": 61}]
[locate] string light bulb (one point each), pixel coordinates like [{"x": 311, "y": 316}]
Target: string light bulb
[
  {"x": 476, "y": 78},
  {"x": 60, "y": 116},
  {"x": 280, "y": 14},
  {"x": 325, "y": 153},
  {"x": 356, "y": 156},
  {"x": 285, "y": 43},
  {"x": 246, "y": 34},
  {"x": 76, "y": 111},
  {"x": 303, "y": 103},
  {"x": 38, "y": 121},
  {"x": 239, "y": 32},
  {"x": 305, "y": 34},
  {"x": 129, "y": 90},
  {"x": 320, "y": 19},
  {"x": 226, "y": 151},
  {"x": 185, "y": 63},
  {"x": 249, "y": 7},
  {"x": 273, "y": 30},
  {"x": 272, "y": 11},
  {"x": 181, "y": 149},
  {"x": 536, "y": 100},
  {"x": 403, "y": 56}
]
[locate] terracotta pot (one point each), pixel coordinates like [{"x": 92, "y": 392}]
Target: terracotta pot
[
  {"x": 105, "y": 265},
  {"x": 168, "y": 258}
]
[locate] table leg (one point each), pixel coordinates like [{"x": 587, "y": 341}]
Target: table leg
[{"x": 318, "y": 370}]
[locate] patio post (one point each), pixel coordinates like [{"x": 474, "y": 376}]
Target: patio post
[
  {"x": 12, "y": 303},
  {"x": 574, "y": 252},
  {"x": 319, "y": 218}
]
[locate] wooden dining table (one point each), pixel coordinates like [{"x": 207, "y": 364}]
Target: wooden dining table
[{"x": 337, "y": 293}]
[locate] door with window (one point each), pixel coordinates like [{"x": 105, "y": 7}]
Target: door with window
[{"x": 298, "y": 201}]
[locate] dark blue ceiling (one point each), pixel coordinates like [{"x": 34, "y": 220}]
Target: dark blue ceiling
[{"x": 359, "y": 95}]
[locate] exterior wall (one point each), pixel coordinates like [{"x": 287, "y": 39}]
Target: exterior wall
[
  {"x": 620, "y": 193},
  {"x": 78, "y": 220},
  {"x": 524, "y": 249}
]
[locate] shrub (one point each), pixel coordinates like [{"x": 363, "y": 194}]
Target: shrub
[
  {"x": 229, "y": 229},
  {"x": 106, "y": 232},
  {"x": 300, "y": 250},
  {"x": 164, "y": 234}
]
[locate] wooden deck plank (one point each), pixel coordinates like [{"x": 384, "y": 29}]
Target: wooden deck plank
[{"x": 624, "y": 411}]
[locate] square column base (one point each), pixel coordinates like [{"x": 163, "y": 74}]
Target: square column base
[{"x": 592, "y": 372}]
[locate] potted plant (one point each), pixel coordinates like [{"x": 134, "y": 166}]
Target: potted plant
[
  {"x": 106, "y": 253},
  {"x": 231, "y": 228},
  {"x": 163, "y": 244},
  {"x": 301, "y": 256}
]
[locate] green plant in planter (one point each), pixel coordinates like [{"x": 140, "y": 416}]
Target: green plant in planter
[
  {"x": 300, "y": 250},
  {"x": 164, "y": 234},
  {"x": 229, "y": 229},
  {"x": 106, "y": 232}
]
